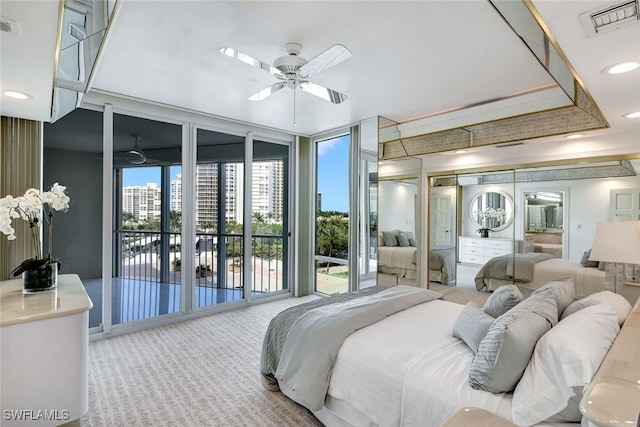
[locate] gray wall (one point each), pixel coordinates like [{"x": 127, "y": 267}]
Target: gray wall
[{"x": 77, "y": 233}]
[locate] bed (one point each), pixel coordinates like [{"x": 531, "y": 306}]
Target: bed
[
  {"x": 419, "y": 377},
  {"x": 401, "y": 261},
  {"x": 544, "y": 268}
]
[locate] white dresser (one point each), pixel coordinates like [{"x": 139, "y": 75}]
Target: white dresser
[
  {"x": 44, "y": 350},
  {"x": 476, "y": 250}
]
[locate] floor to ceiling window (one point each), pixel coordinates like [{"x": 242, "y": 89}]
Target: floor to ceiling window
[
  {"x": 219, "y": 190},
  {"x": 223, "y": 273},
  {"x": 332, "y": 215},
  {"x": 182, "y": 237},
  {"x": 147, "y": 220},
  {"x": 270, "y": 218}
]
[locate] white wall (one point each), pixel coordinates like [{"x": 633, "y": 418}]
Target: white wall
[{"x": 396, "y": 206}]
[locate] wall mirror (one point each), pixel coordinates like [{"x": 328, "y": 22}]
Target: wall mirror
[
  {"x": 544, "y": 210},
  {"x": 544, "y": 215},
  {"x": 492, "y": 210}
]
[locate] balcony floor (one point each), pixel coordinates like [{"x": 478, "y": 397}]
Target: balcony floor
[{"x": 138, "y": 299}]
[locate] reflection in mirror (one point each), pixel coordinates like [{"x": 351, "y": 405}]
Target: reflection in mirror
[
  {"x": 492, "y": 211},
  {"x": 544, "y": 222},
  {"x": 368, "y": 203},
  {"x": 543, "y": 210},
  {"x": 397, "y": 237},
  {"x": 442, "y": 232},
  {"x": 487, "y": 224},
  {"x": 83, "y": 28}
]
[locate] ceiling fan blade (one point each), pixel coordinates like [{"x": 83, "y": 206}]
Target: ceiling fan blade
[
  {"x": 327, "y": 59},
  {"x": 268, "y": 91},
  {"x": 323, "y": 92},
  {"x": 243, "y": 57}
]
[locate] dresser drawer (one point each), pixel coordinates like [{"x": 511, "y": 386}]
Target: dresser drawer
[
  {"x": 472, "y": 259},
  {"x": 499, "y": 244},
  {"x": 491, "y": 253},
  {"x": 472, "y": 242},
  {"x": 471, "y": 250}
]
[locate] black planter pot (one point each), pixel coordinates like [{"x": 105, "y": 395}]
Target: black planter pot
[
  {"x": 484, "y": 232},
  {"x": 40, "y": 279}
]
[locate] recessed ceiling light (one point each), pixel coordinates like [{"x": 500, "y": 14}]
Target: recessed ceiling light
[
  {"x": 623, "y": 67},
  {"x": 634, "y": 115},
  {"x": 461, "y": 151},
  {"x": 15, "y": 94},
  {"x": 574, "y": 136}
]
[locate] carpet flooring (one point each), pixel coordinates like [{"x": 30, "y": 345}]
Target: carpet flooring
[{"x": 200, "y": 372}]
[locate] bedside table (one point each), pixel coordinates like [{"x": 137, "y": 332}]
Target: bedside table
[{"x": 476, "y": 417}]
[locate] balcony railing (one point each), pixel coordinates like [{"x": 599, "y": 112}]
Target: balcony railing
[{"x": 143, "y": 257}]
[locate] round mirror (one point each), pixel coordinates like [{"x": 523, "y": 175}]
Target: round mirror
[{"x": 492, "y": 210}]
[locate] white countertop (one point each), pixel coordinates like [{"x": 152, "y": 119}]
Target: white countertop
[{"x": 69, "y": 297}]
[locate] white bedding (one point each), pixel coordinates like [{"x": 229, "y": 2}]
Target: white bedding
[
  {"x": 401, "y": 257},
  {"x": 410, "y": 376},
  {"x": 588, "y": 280}
]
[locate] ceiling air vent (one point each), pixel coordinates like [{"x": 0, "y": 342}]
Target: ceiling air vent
[
  {"x": 511, "y": 144},
  {"x": 610, "y": 18}
]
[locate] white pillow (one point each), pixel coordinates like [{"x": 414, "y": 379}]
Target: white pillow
[
  {"x": 564, "y": 291},
  {"x": 502, "y": 300},
  {"x": 620, "y": 305},
  {"x": 562, "y": 366},
  {"x": 472, "y": 325}
]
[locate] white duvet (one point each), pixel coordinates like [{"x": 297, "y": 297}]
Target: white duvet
[{"x": 408, "y": 370}]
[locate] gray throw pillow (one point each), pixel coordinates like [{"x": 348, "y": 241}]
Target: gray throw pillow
[
  {"x": 390, "y": 238},
  {"x": 504, "y": 353},
  {"x": 564, "y": 291},
  {"x": 403, "y": 240},
  {"x": 472, "y": 325},
  {"x": 502, "y": 300},
  {"x": 585, "y": 260}
]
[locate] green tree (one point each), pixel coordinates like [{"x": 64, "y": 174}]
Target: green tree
[
  {"x": 332, "y": 234},
  {"x": 175, "y": 221}
]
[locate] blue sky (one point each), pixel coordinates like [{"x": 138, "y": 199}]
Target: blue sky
[{"x": 333, "y": 174}]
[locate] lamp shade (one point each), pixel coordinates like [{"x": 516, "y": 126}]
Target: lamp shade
[{"x": 617, "y": 242}]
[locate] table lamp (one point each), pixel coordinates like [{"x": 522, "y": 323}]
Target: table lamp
[{"x": 617, "y": 244}]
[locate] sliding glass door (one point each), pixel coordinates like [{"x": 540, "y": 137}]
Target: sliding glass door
[
  {"x": 147, "y": 219},
  {"x": 225, "y": 269},
  {"x": 269, "y": 218}
]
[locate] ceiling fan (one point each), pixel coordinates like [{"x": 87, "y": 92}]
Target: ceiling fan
[
  {"x": 136, "y": 156},
  {"x": 294, "y": 71}
]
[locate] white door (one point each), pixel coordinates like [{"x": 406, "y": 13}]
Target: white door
[
  {"x": 625, "y": 204},
  {"x": 440, "y": 229}
]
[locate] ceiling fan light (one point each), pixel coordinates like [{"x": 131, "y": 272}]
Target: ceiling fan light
[{"x": 136, "y": 158}]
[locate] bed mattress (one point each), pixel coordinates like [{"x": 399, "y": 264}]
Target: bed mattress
[{"x": 419, "y": 377}]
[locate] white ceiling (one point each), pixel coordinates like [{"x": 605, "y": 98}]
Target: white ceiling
[{"x": 410, "y": 60}]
